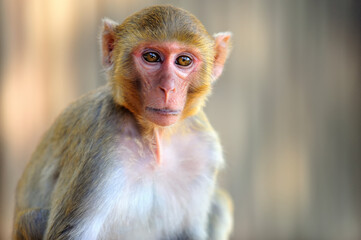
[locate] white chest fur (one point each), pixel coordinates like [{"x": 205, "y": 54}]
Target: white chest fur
[{"x": 146, "y": 200}]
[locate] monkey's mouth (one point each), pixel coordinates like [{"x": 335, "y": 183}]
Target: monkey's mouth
[{"x": 163, "y": 111}]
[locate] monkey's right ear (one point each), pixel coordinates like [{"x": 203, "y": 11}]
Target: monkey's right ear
[{"x": 108, "y": 42}]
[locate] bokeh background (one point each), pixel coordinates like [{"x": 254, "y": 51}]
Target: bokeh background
[{"x": 287, "y": 108}]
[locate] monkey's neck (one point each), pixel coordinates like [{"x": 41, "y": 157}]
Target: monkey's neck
[{"x": 158, "y": 132}]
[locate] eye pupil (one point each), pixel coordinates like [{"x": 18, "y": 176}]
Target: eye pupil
[
  {"x": 184, "y": 60},
  {"x": 151, "y": 57}
]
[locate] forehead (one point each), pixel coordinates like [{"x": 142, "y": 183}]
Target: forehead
[
  {"x": 167, "y": 18},
  {"x": 164, "y": 23}
]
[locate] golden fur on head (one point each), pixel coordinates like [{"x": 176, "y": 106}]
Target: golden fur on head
[{"x": 159, "y": 23}]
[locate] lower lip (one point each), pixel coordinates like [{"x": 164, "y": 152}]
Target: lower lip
[{"x": 166, "y": 112}]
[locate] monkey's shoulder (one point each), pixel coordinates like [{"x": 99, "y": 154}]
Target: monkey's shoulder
[
  {"x": 82, "y": 128},
  {"x": 86, "y": 110},
  {"x": 94, "y": 116}
]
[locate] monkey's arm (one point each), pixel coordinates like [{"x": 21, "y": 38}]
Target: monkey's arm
[
  {"x": 220, "y": 219},
  {"x": 31, "y": 224},
  {"x": 221, "y": 216},
  {"x": 59, "y": 163},
  {"x": 74, "y": 210},
  {"x": 76, "y": 206}
]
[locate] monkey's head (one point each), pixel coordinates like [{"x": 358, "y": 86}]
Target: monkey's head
[{"x": 161, "y": 62}]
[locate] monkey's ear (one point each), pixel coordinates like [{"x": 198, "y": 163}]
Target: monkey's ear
[
  {"x": 108, "y": 42},
  {"x": 222, "y": 47}
]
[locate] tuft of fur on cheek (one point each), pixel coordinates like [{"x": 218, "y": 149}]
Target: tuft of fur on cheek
[{"x": 197, "y": 92}]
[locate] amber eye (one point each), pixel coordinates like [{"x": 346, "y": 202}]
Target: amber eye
[
  {"x": 151, "y": 57},
  {"x": 183, "y": 61}
]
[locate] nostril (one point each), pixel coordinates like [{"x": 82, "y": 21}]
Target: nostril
[{"x": 167, "y": 90}]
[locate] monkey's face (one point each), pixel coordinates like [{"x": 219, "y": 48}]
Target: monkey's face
[{"x": 165, "y": 71}]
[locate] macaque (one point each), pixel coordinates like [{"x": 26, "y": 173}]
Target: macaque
[{"x": 136, "y": 159}]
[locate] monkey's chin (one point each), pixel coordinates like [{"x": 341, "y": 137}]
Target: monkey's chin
[{"x": 162, "y": 117}]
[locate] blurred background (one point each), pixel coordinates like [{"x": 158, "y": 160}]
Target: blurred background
[{"x": 287, "y": 108}]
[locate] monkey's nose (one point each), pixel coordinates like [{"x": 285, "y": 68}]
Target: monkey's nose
[{"x": 166, "y": 92}]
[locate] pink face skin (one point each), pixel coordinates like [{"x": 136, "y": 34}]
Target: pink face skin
[{"x": 164, "y": 80}]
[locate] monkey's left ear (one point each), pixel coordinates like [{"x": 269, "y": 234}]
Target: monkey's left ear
[
  {"x": 222, "y": 48},
  {"x": 108, "y": 42}
]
